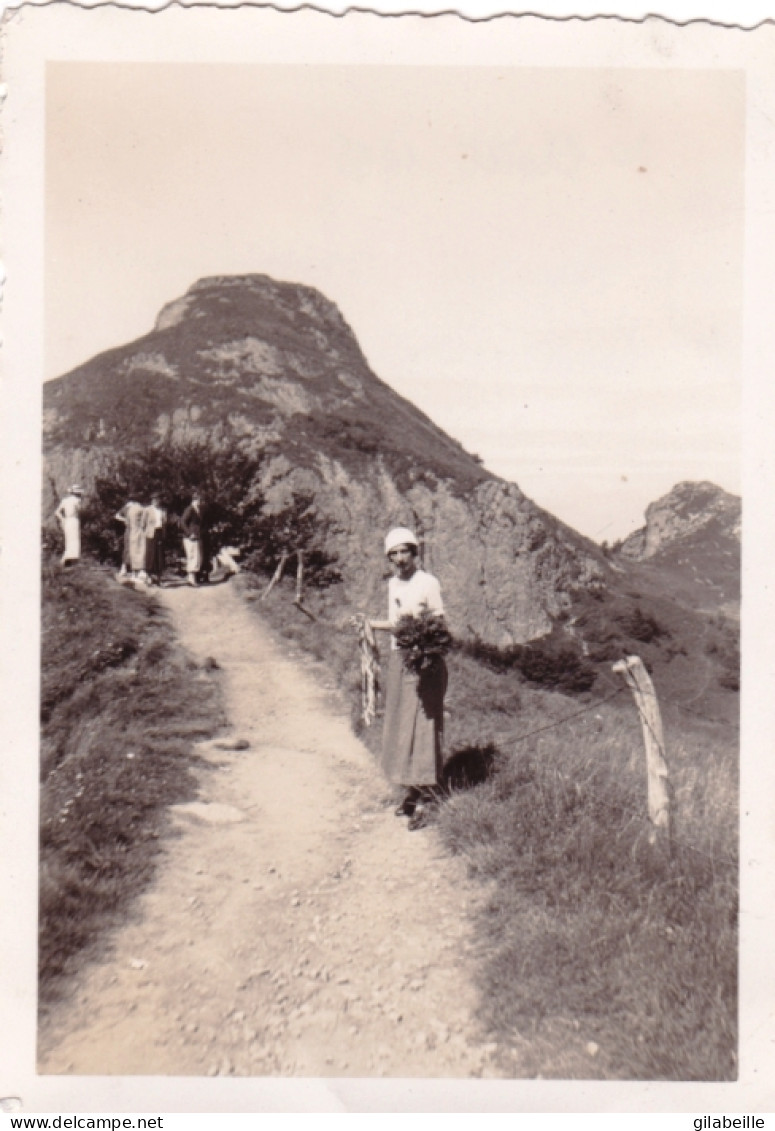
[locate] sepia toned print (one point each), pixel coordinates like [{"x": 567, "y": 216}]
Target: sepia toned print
[{"x": 390, "y": 607}]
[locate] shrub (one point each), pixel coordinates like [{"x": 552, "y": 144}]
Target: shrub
[
  {"x": 542, "y": 662},
  {"x": 358, "y": 434},
  {"x": 563, "y": 668},
  {"x": 641, "y": 626},
  {"x": 299, "y": 525},
  {"x": 495, "y": 658},
  {"x": 725, "y": 648}
]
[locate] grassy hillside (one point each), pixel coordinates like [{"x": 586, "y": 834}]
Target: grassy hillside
[
  {"x": 694, "y": 575},
  {"x": 120, "y": 709},
  {"x": 596, "y": 957},
  {"x": 587, "y": 936},
  {"x": 690, "y": 547}
]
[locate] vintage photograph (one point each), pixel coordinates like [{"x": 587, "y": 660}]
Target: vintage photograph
[{"x": 390, "y": 546}]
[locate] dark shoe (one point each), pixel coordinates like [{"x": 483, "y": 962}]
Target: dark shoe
[
  {"x": 419, "y": 819},
  {"x": 406, "y": 808}
]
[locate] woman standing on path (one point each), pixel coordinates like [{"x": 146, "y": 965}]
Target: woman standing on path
[
  {"x": 414, "y": 708},
  {"x": 191, "y": 521},
  {"x": 132, "y": 515},
  {"x": 67, "y": 514},
  {"x": 153, "y": 523}
]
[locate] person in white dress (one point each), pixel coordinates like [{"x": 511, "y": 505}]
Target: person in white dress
[{"x": 68, "y": 516}]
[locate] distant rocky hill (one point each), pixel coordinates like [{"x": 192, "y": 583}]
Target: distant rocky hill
[
  {"x": 274, "y": 367},
  {"x": 691, "y": 544}
]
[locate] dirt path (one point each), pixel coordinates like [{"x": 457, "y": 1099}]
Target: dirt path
[{"x": 295, "y": 926}]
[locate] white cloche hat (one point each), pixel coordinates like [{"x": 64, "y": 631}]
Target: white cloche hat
[{"x": 399, "y": 536}]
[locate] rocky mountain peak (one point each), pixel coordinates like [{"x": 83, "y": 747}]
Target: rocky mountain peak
[
  {"x": 687, "y": 511},
  {"x": 247, "y": 294}
]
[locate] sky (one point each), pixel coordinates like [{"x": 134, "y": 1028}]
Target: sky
[{"x": 546, "y": 261}]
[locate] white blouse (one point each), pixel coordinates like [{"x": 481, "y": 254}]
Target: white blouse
[
  {"x": 421, "y": 591},
  {"x": 69, "y": 507}
]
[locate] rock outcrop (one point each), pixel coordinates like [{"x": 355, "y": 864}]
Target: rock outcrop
[
  {"x": 274, "y": 367},
  {"x": 690, "y": 547},
  {"x": 688, "y": 510}
]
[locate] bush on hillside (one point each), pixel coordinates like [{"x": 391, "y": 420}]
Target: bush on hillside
[
  {"x": 355, "y": 433},
  {"x": 297, "y": 526},
  {"x": 724, "y": 647},
  {"x": 641, "y": 626},
  {"x": 541, "y": 662}
]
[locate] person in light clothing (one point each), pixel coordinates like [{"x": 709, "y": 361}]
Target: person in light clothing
[
  {"x": 191, "y": 521},
  {"x": 68, "y": 516},
  {"x": 224, "y": 563},
  {"x": 414, "y": 706}
]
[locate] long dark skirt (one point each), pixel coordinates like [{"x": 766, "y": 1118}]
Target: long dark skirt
[
  {"x": 154, "y": 554},
  {"x": 414, "y": 723}
]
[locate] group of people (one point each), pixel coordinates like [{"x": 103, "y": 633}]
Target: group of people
[
  {"x": 143, "y": 552},
  {"x": 143, "y": 556}
]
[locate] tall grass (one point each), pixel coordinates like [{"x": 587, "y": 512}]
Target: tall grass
[
  {"x": 120, "y": 708},
  {"x": 587, "y": 922},
  {"x": 587, "y": 937}
]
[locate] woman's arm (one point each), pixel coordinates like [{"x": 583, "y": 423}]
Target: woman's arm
[{"x": 376, "y": 625}]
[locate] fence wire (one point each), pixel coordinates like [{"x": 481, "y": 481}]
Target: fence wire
[{"x": 512, "y": 738}]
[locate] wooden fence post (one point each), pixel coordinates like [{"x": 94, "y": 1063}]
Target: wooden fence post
[
  {"x": 276, "y": 575},
  {"x": 299, "y": 575},
  {"x": 639, "y": 683}
]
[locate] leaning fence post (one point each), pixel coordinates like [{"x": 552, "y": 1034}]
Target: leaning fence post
[
  {"x": 276, "y": 575},
  {"x": 299, "y": 575},
  {"x": 639, "y": 683}
]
